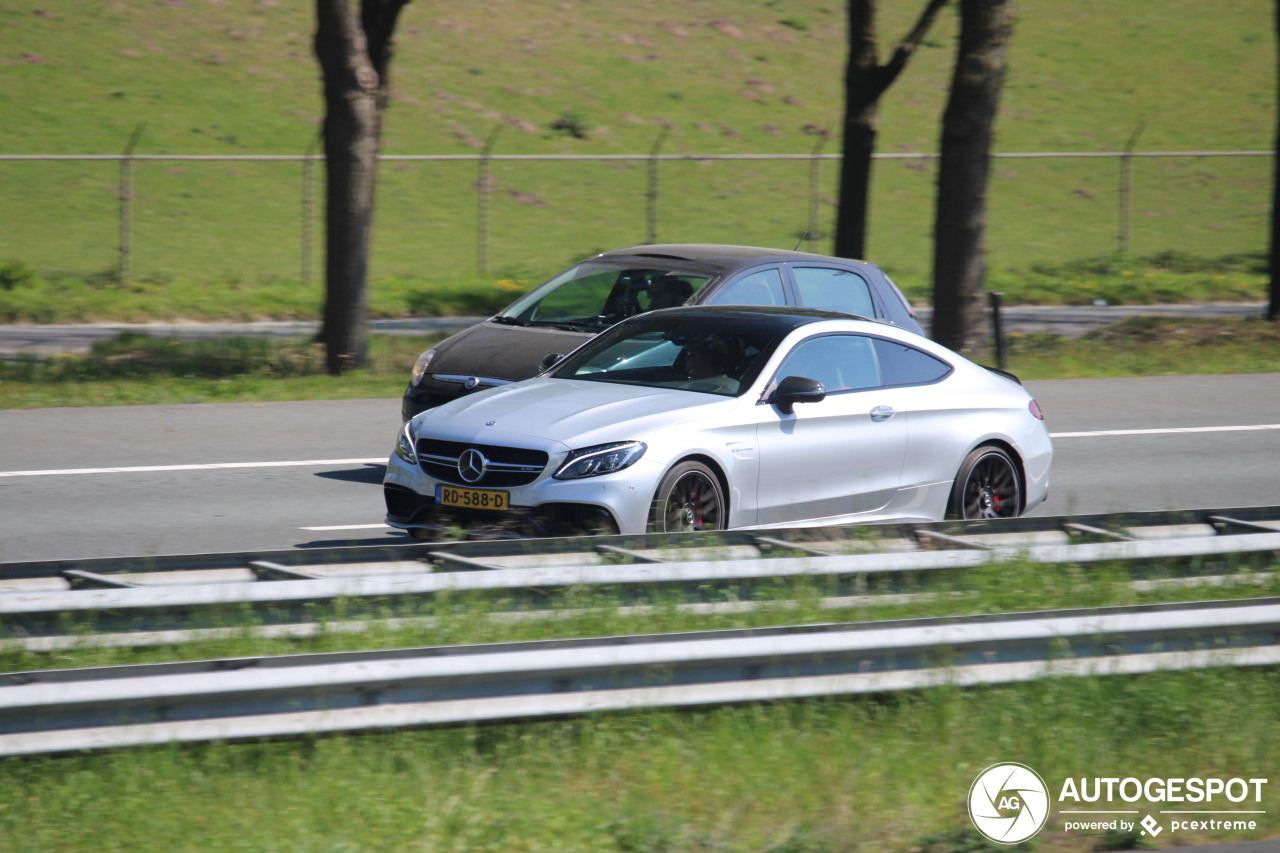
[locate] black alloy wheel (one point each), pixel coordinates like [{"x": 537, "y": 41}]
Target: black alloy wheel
[
  {"x": 988, "y": 486},
  {"x": 689, "y": 498}
]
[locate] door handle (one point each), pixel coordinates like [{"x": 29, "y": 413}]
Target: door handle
[{"x": 882, "y": 413}]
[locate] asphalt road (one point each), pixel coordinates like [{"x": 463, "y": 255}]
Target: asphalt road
[{"x": 78, "y": 483}]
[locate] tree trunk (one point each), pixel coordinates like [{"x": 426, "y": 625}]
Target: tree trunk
[
  {"x": 865, "y": 81},
  {"x": 968, "y": 125},
  {"x": 353, "y": 48},
  {"x": 1273, "y": 308},
  {"x": 859, "y": 131}
]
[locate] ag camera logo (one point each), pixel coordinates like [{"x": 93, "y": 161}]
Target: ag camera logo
[{"x": 1008, "y": 803}]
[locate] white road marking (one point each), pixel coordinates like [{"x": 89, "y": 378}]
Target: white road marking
[
  {"x": 351, "y": 527},
  {"x": 214, "y": 466},
  {"x": 1168, "y": 431}
]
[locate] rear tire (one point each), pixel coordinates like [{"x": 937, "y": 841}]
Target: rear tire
[
  {"x": 689, "y": 498},
  {"x": 987, "y": 486}
]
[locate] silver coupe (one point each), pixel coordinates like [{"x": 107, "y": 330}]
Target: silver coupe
[{"x": 711, "y": 417}]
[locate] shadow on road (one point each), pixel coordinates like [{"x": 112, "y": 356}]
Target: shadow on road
[
  {"x": 371, "y": 474},
  {"x": 386, "y": 537}
]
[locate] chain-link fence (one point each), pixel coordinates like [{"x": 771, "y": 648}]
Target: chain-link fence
[{"x": 258, "y": 218}]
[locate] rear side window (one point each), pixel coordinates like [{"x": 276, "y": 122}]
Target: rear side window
[
  {"x": 904, "y": 365},
  {"x": 759, "y": 288},
  {"x": 834, "y": 290}
]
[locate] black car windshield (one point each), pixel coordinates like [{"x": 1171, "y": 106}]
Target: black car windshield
[
  {"x": 705, "y": 352},
  {"x": 594, "y": 295}
]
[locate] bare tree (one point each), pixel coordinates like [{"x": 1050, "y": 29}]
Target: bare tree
[
  {"x": 960, "y": 216},
  {"x": 353, "y": 46},
  {"x": 865, "y": 80}
]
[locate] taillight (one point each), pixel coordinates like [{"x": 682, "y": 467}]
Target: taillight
[{"x": 1035, "y": 410}]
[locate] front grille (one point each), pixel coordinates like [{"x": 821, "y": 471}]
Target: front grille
[{"x": 505, "y": 466}]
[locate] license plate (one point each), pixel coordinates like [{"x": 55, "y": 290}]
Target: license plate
[{"x": 472, "y": 498}]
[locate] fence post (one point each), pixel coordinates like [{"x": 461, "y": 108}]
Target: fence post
[
  {"x": 124, "y": 271},
  {"x": 308, "y": 207},
  {"x": 815, "y": 163},
  {"x": 483, "y": 189},
  {"x": 651, "y": 235},
  {"x": 997, "y": 329},
  {"x": 1126, "y": 188}
]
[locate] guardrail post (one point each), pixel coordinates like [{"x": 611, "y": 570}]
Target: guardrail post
[
  {"x": 483, "y": 190},
  {"x": 124, "y": 271}
]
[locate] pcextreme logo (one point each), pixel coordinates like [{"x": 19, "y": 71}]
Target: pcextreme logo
[{"x": 1009, "y": 803}]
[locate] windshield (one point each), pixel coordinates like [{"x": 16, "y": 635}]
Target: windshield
[
  {"x": 707, "y": 353},
  {"x": 594, "y": 295}
]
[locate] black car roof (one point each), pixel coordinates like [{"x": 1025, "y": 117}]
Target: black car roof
[
  {"x": 723, "y": 257},
  {"x": 784, "y": 315}
]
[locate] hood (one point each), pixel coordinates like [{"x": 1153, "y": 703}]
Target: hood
[
  {"x": 502, "y": 352},
  {"x": 565, "y": 411}
]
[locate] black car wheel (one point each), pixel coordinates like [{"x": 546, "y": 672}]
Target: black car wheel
[
  {"x": 689, "y": 498},
  {"x": 988, "y": 486}
]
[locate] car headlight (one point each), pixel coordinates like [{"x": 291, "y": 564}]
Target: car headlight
[
  {"x": 601, "y": 459},
  {"x": 404, "y": 446},
  {"x": 420, "y": 366}
]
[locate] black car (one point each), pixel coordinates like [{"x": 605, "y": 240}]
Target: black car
[{"x": 584, "y": 300}]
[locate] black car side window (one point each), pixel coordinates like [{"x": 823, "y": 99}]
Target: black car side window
[
  {"x": 834, "y": 290},
  {"x": 763, "y": 287}
]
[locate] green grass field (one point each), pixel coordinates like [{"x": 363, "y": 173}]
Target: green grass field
[
  {"x": 233, "y": 240},
  {"x": 721, "y": 76}
]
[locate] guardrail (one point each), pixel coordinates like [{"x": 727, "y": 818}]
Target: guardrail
[
  {"x": 306, "y": 695},
  {"x": 149, "y": 600}
]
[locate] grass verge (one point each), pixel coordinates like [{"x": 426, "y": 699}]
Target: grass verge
[
  {"x": 139, "y": 369},
  {"x": 872, "y": 773},
  {"x": 135, "y": 369}
]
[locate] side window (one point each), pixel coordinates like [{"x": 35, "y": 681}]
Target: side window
[
  {"x": 759, "y": 288},
  {"x": 578, "y": 297},
  {"x": 834, "y": 290},
  {"x": 839, "y": 362},
  {"x": 904, "y": 365}
]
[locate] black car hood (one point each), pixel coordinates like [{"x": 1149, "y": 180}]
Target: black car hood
[{"x": 491, "y": 350}]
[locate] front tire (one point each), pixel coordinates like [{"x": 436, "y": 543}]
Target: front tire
[
  {"x": 689, "y": 498},
  {"x": 987, "y": 486}
]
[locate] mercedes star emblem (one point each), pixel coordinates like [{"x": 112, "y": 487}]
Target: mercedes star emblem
[{"x": 471, "y": 465}]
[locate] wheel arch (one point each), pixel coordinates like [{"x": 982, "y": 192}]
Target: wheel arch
[
  {"x": 721, "y": 477},
  {"x": 1019, "y": 463}
]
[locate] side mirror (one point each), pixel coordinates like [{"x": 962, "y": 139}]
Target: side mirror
[
  {"x": 550, "y": 361},
  {"x": 796, "y": 389}
]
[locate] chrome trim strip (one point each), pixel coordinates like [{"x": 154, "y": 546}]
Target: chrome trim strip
[{"x": 458, "y": 379}]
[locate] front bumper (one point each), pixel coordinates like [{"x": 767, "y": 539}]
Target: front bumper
[
  {"x": 611, "y": 503},
  {"x": 408, "y": 510}
]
